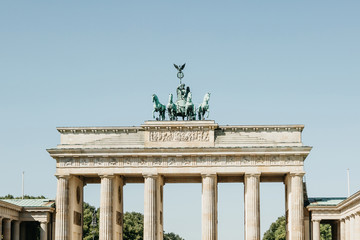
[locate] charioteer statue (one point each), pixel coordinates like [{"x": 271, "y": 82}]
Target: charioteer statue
[{"x": 183, "y": 107}]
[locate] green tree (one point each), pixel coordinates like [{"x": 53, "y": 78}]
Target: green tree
[
  {"x": 325, "y": 232},
  {"x": 277, "y": 230},
  {"x": 133, "y": 228},
  {"x": 172, "y": 236},
  {"x": 89, "y": 231}
]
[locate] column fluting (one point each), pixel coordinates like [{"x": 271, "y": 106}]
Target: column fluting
[
  {"x": 357, "y": 225},
  {"x": 1, "y": 224},
  {"x": 150, "y": 207},
  {"x": 106, "y": 223},
  {"x": 62, "y": 207},
  {"x": 252, "y": 206},
  {"x": 316, "y": 229},
  {"x": 209, "y": 207},
  {"x": 296, "y": 207}
]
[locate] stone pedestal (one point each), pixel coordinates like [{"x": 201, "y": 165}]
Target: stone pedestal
[
  {"x": 106, "y": 223},
  {"x": 62, "y": 205},
  {"x": 7, "y": 229},
  {"x": 316, "y": 229},
  {"x": 43, "y": 230},
  {"x": 16, "y": 230},
  {"x": 209, "y": 207},
  {"x": 150, "y": 207},
  {"x": 252, "y": 206}
]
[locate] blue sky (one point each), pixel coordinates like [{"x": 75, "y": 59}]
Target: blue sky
[{"x": 92, "y": 63}]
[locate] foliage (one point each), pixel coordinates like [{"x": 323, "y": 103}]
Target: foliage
[
  {"x": 172, "y": 236},
  {"x": 89, "y": 231},
  {"x": 133, "y": 226},
  {"x": 9, "y": 196},
  {"x": 325, "y": 232},
  {"x": 277, "y": 230}
]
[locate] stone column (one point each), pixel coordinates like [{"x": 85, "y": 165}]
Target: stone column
[
  {"x": 7, "y": 229},
  {"x": 62, "y": 207},
  {"x": 316, "y": 229},
  {"x": 295, "y": 208},
  {"x": 252, "y": 206},
  {"x": 16, "y": 230},
  {"x": 357, "y": 225},
  {"x": 160, "y": 207},
  {"x": 209, "y": 207},
  {"x": 43, "y": 230},
  {"x": 150, "y": 207},
  {"x": 347, "y": 228},
  {"x": 106, "y": 223},
  {"x": 352, "y": 227},
  {"x": 342, "y": 229}
]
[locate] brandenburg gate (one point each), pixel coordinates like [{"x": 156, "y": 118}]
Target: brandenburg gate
[
  {"x": 191, "y": 151},
  {"x": 160, "y": 152}
]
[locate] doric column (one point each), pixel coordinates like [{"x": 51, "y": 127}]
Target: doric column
[
  {"x": 295, "y": 206},
  {"x": 7, "y": 229},
  {"x": 316, "y": 229},
  {"x": 352, "y": 227},
  {"x": 16, "y": 230},
  {"x": 150, "y": 207},
  {"x": 357, "y": 225},
  {"x": 43, "y": 230},
  {"x": 62, "y": 205},
  {"x": 342, "y": 229},
  {"x": 252, "y": 206},
  {"x": 209, "y": 207},
  {"x": 160, "y": 207},
  {"x": 106, "y": 224},
  {"x": 347, "y": 228}
]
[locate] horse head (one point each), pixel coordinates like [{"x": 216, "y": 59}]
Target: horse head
[
  {"x": 154, "y": 97},
  {"x": 207, "y": 97}
]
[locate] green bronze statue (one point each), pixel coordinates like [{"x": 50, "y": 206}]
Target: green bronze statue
[
  {"x": 158, "y": 107},
  {"x": 204, "y": 107},
  {"x": 183, "y": 106}
]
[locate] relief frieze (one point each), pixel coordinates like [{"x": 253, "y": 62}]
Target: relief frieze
[
  {"x": 182, "y": 161},
  {"x": 179, "y": 136}
]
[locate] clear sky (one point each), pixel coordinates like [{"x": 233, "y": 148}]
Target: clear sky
[{"x": 97, "y": 63}]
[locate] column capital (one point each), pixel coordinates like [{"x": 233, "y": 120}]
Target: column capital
[
  {"x": 316, "y": 220},
  {"x": 296, "y": 174},
  {"x": 109, "y": 176},
  {"x": 64, "y": 176},
  {"x": 203, "y": 175},
  {"x": 150, "y": 175},
  {"x": 252, "y": 174}
]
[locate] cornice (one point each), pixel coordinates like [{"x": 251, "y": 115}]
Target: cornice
[
  {"x": 236, "y": 151},
  {"x": 96, "y": 130},
  {"x": 263, "y": 128}
]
